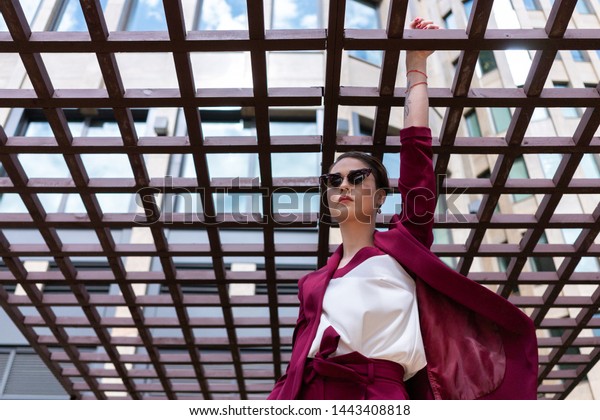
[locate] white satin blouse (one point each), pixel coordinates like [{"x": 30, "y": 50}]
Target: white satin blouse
[{"x": 371, "y": 302}]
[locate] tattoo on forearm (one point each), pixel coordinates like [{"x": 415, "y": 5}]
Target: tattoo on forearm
[{"x": 407, "y": 101}]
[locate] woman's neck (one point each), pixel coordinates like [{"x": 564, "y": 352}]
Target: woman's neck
[{"x": 354, "y": 237}]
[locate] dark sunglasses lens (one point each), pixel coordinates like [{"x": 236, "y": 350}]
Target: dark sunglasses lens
[
  {"x": 357, "y": 177},
  {"x": 334, "y": 180},
  {"x": 331, "y": 180}
]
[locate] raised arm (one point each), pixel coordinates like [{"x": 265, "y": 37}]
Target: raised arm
[
  {"x": 416, "y": 107},
  {"x": 417, "y": 179}
]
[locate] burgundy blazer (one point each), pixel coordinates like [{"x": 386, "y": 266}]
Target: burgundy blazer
[{"x": 478, "y": 345}]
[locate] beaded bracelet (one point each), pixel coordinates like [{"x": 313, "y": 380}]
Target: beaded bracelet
[
  {"x": 416, "y": 71},
  {"x": 412, "y": 86}
]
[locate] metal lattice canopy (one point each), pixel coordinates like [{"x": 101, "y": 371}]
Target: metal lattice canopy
[{"x": 142, "y": 364}]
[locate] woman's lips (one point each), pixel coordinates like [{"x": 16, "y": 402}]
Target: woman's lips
[{"x": 344, "y": 198}]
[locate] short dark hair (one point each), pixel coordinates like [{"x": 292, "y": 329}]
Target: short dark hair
[{"x": 379, "y": 171}]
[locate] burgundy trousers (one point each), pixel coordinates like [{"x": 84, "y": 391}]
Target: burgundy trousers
[{"x": 351, "y": 376}]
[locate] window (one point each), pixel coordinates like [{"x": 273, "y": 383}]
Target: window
[
  {"x": 532, "y": 5},
  {"x": 550, "y": 163},
  {"x": 30, "y": 8},
  {"x": 501, "y": 118},
  {"x": 296, "y": 14},
  {"x": 567, "y": 112},
  {"x": 487, "y": 62},
  {"x": 558, "y": 332},
  {"x": 473, "y": 124},
  {"x": 246, "y": 165},
  {"x": 579, "y": 56},
  {"x": 64, "y": 288},
  {"x": 192, "y": 289},
  {"x": 24, "y": 375},
  {"x": 543, "y": 263},
  {"x": 70, "y": 17},
  {"x": 450, "y": 21},
  {"x": 540, "y": 114},
  {"x": 503, "y": 263},
  {"x": 145, "y": 15},
  {"x": 38, "y": 165},
  {"x": 519, "y": 170},
  {"x": 468, "y": 5},
  {"x": 476, "y": 204},
  {"x": 486, "y": 173},
  {"x": 591, "y": 168},
  {"x": 583, "y": 7},
  {"x": 223, "y": 15},
  {"x": 444, "y": 236},
  {"x": 363, "y": 15},
  {"x": 596, "y": 331}
]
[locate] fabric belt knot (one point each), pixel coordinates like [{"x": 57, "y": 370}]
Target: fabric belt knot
[
  {"x": 355, "y": 370},
  {"x": 326, "y": 367}
]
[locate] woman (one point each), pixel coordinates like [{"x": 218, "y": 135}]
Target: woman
[{"x": 385, "y": 318}]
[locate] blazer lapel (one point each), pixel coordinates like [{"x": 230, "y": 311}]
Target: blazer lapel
[{"x": 313, "y": 290}]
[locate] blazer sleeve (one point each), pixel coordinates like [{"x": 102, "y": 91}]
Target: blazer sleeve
[
  {"x": 417, "y": 184},
  {"x": 300, "y": 323}
]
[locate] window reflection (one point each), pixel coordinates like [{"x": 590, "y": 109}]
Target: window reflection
[
  {"x": 468, "y": 5},
  {"x": 44, "y": 165},
  {"x": 293, "y": 128},
  {"x": 223, "y": 123},
  {"x": 450, "y": 21},
  {"x": 583, "y": 7},
  {"x": 532, "y": 5},
  {"x": 107, "y": 165},
  {"x": 567, "y": 112},
  {"x": 146, "y": 15},
  {"x": 223, "y": 15},
  {"x": 70, "y": 17},
  {"x": 100, "y": 123},
  {"x": 296, "y": 14},
  {"x": 287, "y": 202},
  {"x": 589, "y": 164},
  {"x": 12, "y": 203},
  {"x": 501, "y": 118},
  {"x": 519, "y": 170},
  {"x": 363, "y": 15},
  {"x": 296, "y": 164},
  {"x": 550, "y": 162},
  {"x": 473, "y": 124},
  {"x": 486, "y": 62},
  {"x": 30, "y": 8}
]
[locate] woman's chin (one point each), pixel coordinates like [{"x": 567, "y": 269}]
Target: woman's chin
[
  {"x": 346, "y": 215},
  {"x": 341, "y": 214}
]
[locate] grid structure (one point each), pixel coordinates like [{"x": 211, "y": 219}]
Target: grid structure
[{"x": 205, "y": 367}]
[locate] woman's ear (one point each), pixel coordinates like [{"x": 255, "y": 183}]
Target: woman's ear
[{"x": 380, "y": 196}]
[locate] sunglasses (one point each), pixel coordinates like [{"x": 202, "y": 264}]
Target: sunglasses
[{"x": 355, "y": 177}]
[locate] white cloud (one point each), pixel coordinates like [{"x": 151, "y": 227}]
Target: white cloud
[
  {"x": 218, "y": 15},
  {"x": 153, "y": 14},
  {"x": 30, "y": 8},
  {"x": 150, "y": 3},
  {"x": 68, "y": 20},
  {"x": 309, "y": 21},
  {"x": 285, "y": 12}
]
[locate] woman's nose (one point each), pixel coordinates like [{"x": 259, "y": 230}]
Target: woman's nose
[{"x": 345, "y": 185}]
